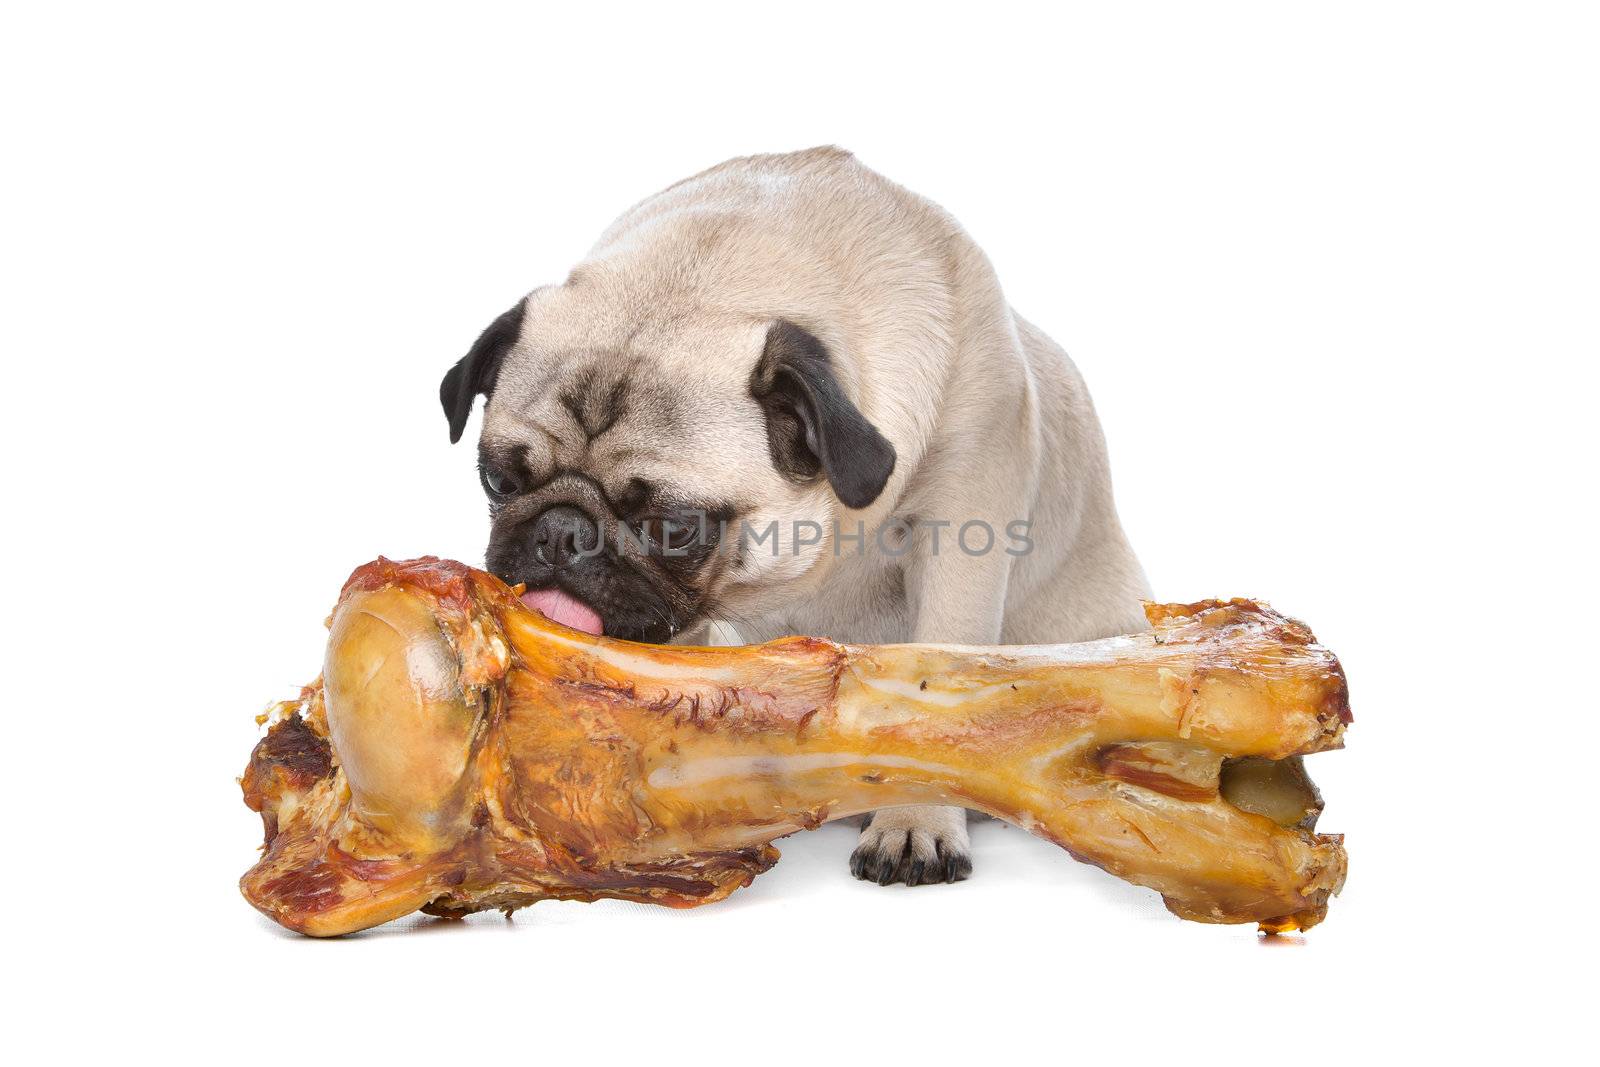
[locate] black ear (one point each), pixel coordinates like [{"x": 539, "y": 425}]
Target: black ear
[
  {"x": 478, "y": 370},
  {"x": 811, "y": 425}
]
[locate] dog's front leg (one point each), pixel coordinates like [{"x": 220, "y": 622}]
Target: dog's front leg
[
  {"x": 954, "y": 598},
  {"x": 917, "y": 845}
]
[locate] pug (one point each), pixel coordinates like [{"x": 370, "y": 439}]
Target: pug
[{"x": 788, "y": 395}]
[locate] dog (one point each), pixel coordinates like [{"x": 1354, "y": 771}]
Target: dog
[{"x": 788, "y": 395}]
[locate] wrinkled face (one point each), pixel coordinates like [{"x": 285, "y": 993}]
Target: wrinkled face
[
  {"x": 625, "y": 461},
  {"x": 599, "y": 548}
]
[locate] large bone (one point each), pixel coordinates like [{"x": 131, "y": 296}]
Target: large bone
[{"x": 462, "y": 753}]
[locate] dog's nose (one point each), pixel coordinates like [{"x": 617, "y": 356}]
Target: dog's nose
[{"x": 564, "y": 533}]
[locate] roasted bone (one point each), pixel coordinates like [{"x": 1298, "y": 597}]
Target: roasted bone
[{"x": 462, "y": 752}]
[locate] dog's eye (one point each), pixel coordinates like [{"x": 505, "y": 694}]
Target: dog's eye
[
  {"x": 498, "y": 484},
  {"x": 671, "y": 534}
]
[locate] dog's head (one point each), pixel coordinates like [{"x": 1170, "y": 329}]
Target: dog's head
[{"x": 648, "y": 472}]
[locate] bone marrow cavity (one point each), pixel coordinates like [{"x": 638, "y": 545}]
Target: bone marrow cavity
[{"x": 1279, "y": 789}]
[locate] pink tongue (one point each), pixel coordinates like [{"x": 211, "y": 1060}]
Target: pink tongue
[{"x": 563, "y": 608}]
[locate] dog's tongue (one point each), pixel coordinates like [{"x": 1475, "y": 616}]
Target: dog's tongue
[{"x": 563, "y": 608}]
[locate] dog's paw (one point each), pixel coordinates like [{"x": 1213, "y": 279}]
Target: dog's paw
[{"x": 917, "y": 846}]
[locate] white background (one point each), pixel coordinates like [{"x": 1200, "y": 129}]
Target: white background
[{"x": 1331, "y": 273}]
